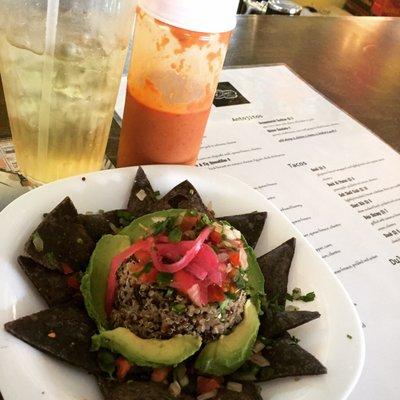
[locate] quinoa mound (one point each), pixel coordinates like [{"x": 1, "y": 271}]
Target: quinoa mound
[{"x": 155, "y": 311}]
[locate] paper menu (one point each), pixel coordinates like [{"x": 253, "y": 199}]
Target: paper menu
[{"x": 335, "y": 180}]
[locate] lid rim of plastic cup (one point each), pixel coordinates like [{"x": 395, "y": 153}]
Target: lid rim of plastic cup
[{"x": 208, "y": 19}]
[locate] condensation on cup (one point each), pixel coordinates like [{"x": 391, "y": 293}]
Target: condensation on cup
[
  {"x": 179, "y": 47},
  {"x": 61, "y": 63}
]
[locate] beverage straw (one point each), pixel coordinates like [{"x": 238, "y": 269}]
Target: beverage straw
[{"x": 47, "y": 81}]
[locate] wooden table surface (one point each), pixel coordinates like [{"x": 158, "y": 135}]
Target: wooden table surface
[{"x": 354, "y": 61}]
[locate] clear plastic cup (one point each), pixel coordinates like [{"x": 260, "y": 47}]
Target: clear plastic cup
[
  {"x": 171, "y": 84},
  {"x": 61, "y": 63}
]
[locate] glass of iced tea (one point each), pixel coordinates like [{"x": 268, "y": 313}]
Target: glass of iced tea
[{"x": 61, "y": 63}]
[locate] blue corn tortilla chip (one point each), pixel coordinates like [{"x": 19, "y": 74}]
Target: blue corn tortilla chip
[
  {"x": 286, "y": 359},
  {"x": 63, "y": 331},
  {"x": 109, "y": 222},
  {"x": 275, "y": 266},
  {"x": 277, "y": 323},
  {"x": 60, "y": 242},
  {"x": 53, "y": 286},
  {"x": 249, "y": 392},
  {"x": 185, "y": 196},
  {"x": 96, "y": 225},
  {"x": 250, "y": 225},
  {"x": 137, "y": 390},
  {"x": 142, "y": 197}
]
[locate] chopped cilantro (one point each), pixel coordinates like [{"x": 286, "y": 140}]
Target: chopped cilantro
[
  {"x": 157, "y": 193},
  {"x": 147, "y": 267},
  {"x": 223, "y": 306},
  {"x": 240, "y": 281},
  {"x": 204, "y": 221},
  {"x": 106, "y": 362},
  {"x": 169, "y": 292},
  {"x": 164, "y": 278},
  {"x": 231, "y": 296},
  {"x": 160, "y": 227},
  {"x": 349, "y": 336},
  {"x": 51, "y": 258},
  {"x": 308, "y": 297},
  {"x": 164, "y": 226},
  {"x": 126, "y": 215},
  {"x": 178, "y": 308},
  {"x": 289, "y": 297},
  {"x": 175, "y": 235},
  {"x": 296, "y": 295}
]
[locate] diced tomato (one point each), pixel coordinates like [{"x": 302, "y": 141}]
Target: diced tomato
[
  {"x": 73, "y": 283},
  {"x": 189, "y": 222},
  {"x": 234, "y": 258},
  {"x": 67, "y": 269},
  {"x": 183, "y": 281},
  {"x": 123, "y": 367},
  {"x": 198, "y": 294},
  {"x": 143, "y": 256},
  {"x": 205, "y": 385},
  {"x": 148, "y": 277},
  {"x": 136, "y": 267},
  {"x": 190, "y": 285},
  {"x": 215, "y": 237},
  {"x": 160, "y": 374},
  {"x": 215, "y": 294}
]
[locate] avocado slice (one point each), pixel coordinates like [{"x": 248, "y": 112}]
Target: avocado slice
[
  {"x": 153, "y": 353},
  {"x": 228, "y": 353},
  {"x": 145, "y": 352},
  {"x": 94, "y": 282}
]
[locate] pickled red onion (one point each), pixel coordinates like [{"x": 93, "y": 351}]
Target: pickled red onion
[
  {"x": 186, "y": 258},
  {"x": 116, "y": 263}
]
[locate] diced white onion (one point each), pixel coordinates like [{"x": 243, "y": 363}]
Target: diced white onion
[
  {"x": 236, "y": 233},
  {"x": 208, "y": 395},
  {"x": 113, "y": 228},
  {"x": 243, "y": 258},
  {"x": 217, "y": 227},
  {"x": 228, "y": 233},
  {"x": 291, "y": 308},
  {"x": 259, "y": 360},
  {"x": 234, "y": 386},
  {"x": 141, "y": 194},
  {"x": 184, "y": 381},
  {"x": 37, "y": 242},
  {"x": 175, "y": 389},
  {"x": 258, "y": 347},
  {"x": 223, "y": 257}
]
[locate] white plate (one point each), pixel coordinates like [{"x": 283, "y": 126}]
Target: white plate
[{"x": 28, "y": 373}]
